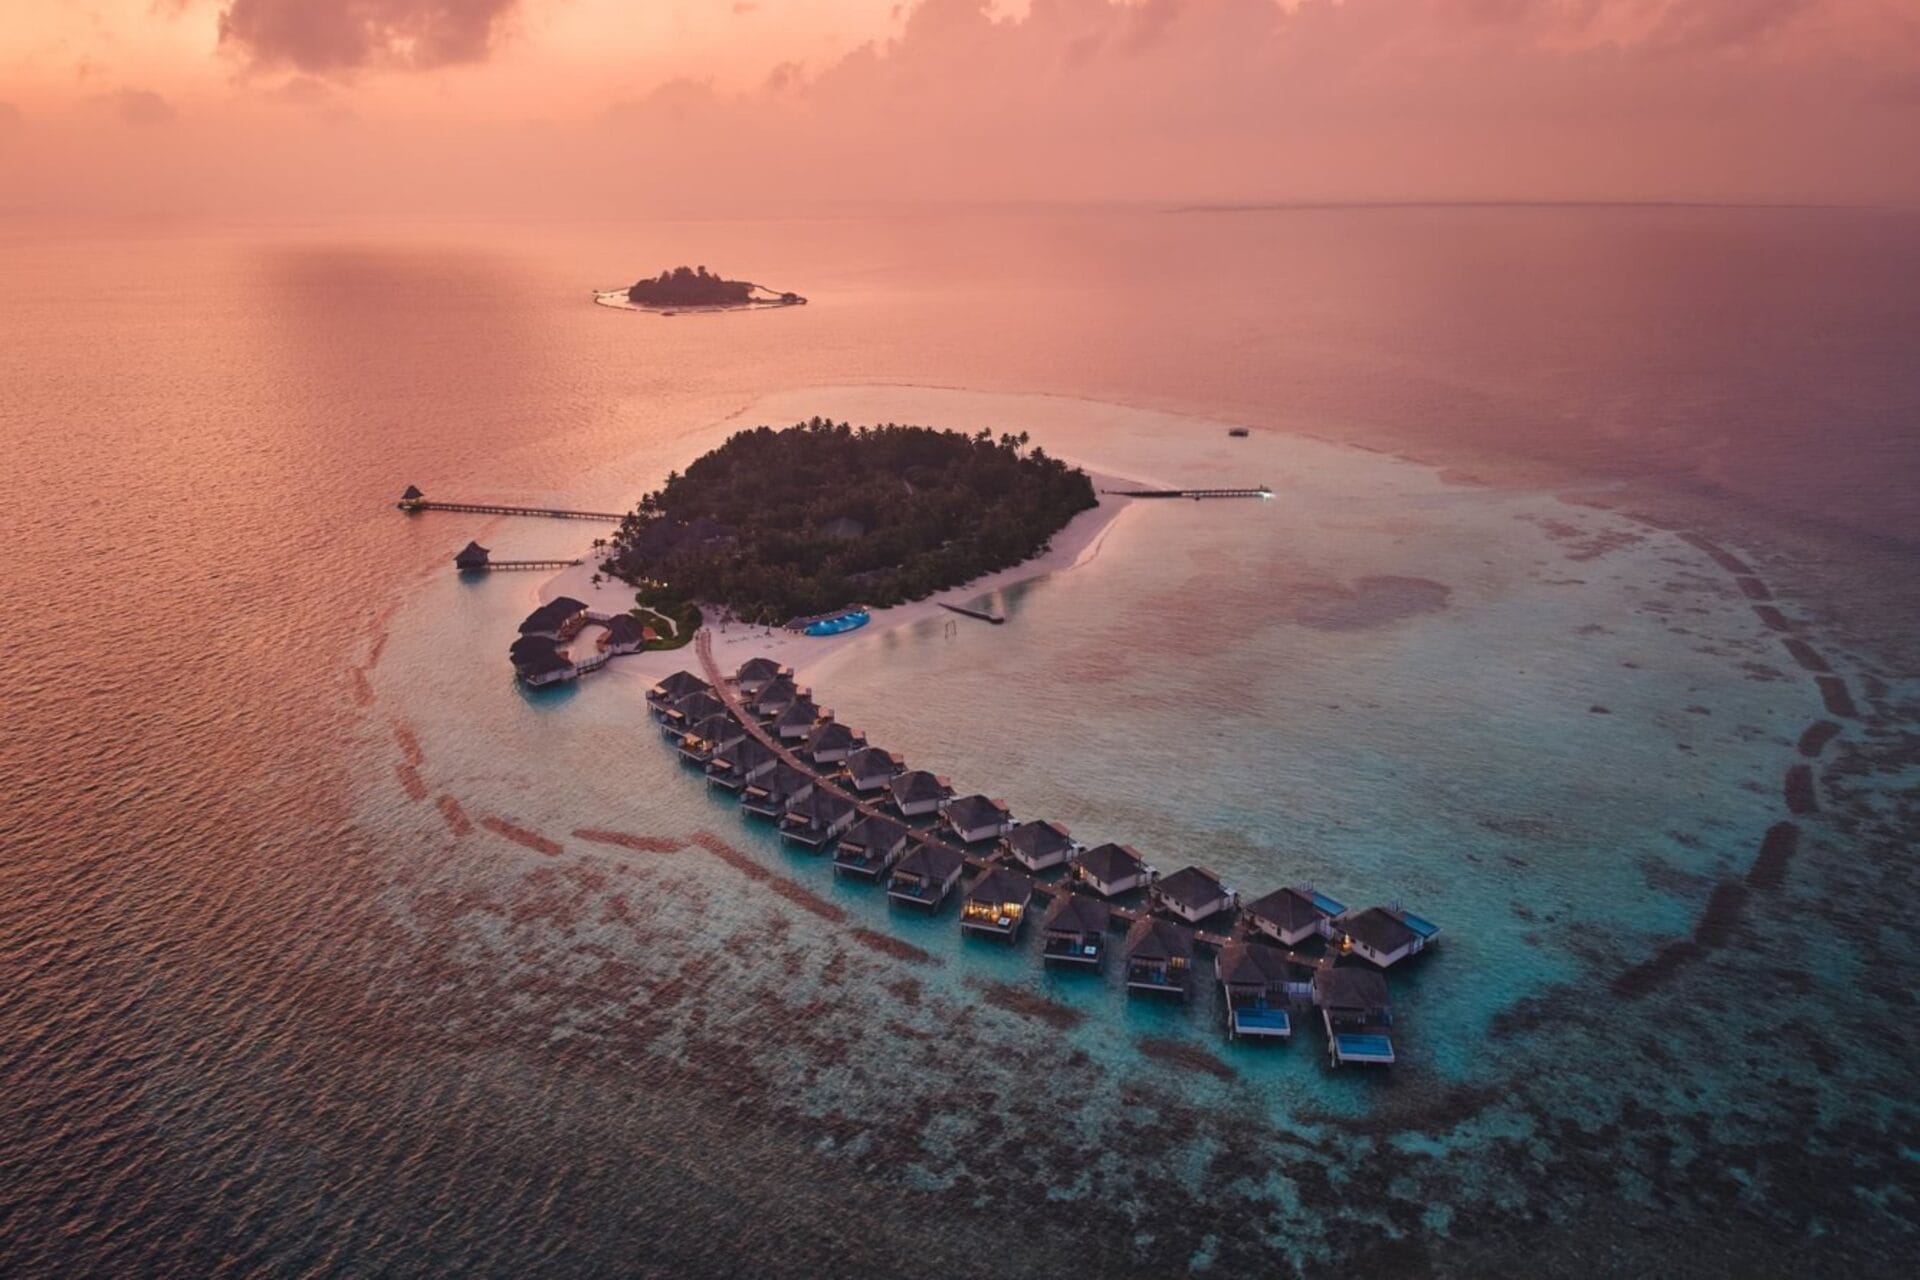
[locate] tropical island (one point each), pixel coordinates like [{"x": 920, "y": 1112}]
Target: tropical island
[
  {"x": 817, "y": 516},
  {"x": 684, "y": 287}
]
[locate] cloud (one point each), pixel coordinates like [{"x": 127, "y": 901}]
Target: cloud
[
  {"x": 333, "y": 36},
  {"x": 138, "y": 108}
]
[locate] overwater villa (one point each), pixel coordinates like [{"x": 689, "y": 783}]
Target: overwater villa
[
  {"x": 689, "y": 711},
  {"x": 558, "y": 618},
  {"x": 816, "y": 818},
  {"x": 1385, "y": 935},
  {"x": 871, "y": 846},
  {"x": 1261, "y": 985},
  {"x": 926, "y": 874},
  {"x": 797, "y": 722},
  {"x": 1039, "y": 845},
  {"x": 537, "y": 660},
  {"x": 996, "y": 902},
  {"x": 918, "y": 793},
  {"x": 712, "y": 735},
  {"x": 755, "y": 674},
  {"x": 832, "y": 742},
  {"x": 1359, "y": 1021},
  {"x": 775, "y": 697},
  {"x": 1112, "y": 869},
  {"x": 740, "y": 764},
  {"x": 673, "y": 688},
  {"x": 769, "y": 795},
  {"x": 470, "y": 557},
  {"x": 976, "y": 818},
  {"x": 1074, "y": 930},
  {"x": 1191, "y": 893},
  {"x": 871, "y": 769},
  {"x": 624, "y": 635},
  {"x": 1292, "y": 915},
  {"x": 1159, "y": 955}
]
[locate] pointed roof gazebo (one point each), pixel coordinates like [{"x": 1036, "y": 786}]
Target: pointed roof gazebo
[
  {"x": 411, "y": 496},
  {"x": 471, "y": 556}
]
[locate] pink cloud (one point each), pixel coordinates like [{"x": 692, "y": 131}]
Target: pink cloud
[{"x": 330, "y": 36}]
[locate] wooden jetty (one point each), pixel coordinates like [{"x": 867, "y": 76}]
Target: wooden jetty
[
  {"x": 474, "y": 558},
  {"x": 965, "y": 612},
  {"x": 1262, "y": 491},
  {"x": 413, "y": 500}
]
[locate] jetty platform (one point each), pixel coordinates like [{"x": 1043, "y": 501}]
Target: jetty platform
[
  {"x": 1259, "y": 491},
  {"x": 413, "y": 500}
]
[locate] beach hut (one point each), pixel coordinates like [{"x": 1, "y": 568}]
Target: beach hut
[
  {"x": 1261, "y": 984},
  {"x": 1191, "y": 893},
  {"x": 1112, "y": 869},
  {"x": 976, "y": 818},
  {"x": 1292, "y": 915},
  {"x": 710, "y": 736},
  {"x": 769, "y": 795},
  {"x": 689, "y": 711},
  {"x": 624, "y": 634},
  {"x": 797, "y": 722},
  {"x": 870, "y": 846},
  {"x": 996, "y": 902},
  {"x": 926, "y": 874},
  {"x": 871, "y": 769},
  {"x": 1074, "y": 930},
  {"x": 559, "y": 619},
  {"x": 470, "y": 558},
  {"x": 918, "y": 793},
  {"x": 740, "y": 764},
  {"x": 775, "y": 697},
  {"x": 1159, "y": 955},
  {"x": 832, "y": 742},
  {"x": 755, "y": 674},
  {"x": 537, "y": 661},
  {"x": 816, "y": 818},
  {"x": 1353, "y": 1007},
  {"x": 412, "y": 498},
  {"x": 673, "y": 688},
  {"x": 1039, "y": 845},
  {"x": 1385, "y": 935}
]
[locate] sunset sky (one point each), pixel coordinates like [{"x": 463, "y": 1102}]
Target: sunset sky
[{"x": 537, "y": 106}]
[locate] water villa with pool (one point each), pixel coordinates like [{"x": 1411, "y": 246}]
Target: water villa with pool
[
  {"x": 1292, "y": 915},
  {"x": 1385, "y": 935},
  {"x": 1359, "y": 1021},
  {"x": 974, "y": 819},
  {"x": 1039, "y": 846},
  {"x": 1074, "y": 930},
  {"x": 871, "y": 769},
  {"x": 926, "y": 874},
  {"x": 870, "y": 846},
  {"x": 996, "y": 902},
  {"x": 816, "y": 818},
  {"x": 1191, "y": 893},
  {"x": 1261, "y": 985},
  {"x": 741, "y": 764},
  {"x": 711, "y": 736},
  {"x": 769, "y": 795},
  {"x": 919, "y": 794},
  {"x": 1112, "y": 869},
  {"x": 1159, "y": 956},
  {"x": 675, "y": 687}
]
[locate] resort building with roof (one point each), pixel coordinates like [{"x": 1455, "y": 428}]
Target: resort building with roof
[
  {"x": 689, "y": 711},
  {"x": 1191, "y": 893},
  {"x": 1261, "y": 984},
  {"x": 870, "y": 846},
  {"x": 708, "y": 738},
  {"x": 1038, "y": 846},
  {"x": 832, "y": 742},
  {"x": 918, "y": 793},
  {"x": 1353, "y": 1007},
  {"x": 775, "y": 697},
  {"x": 926, "y": 874},
  {"x": 1074, "y": 930},
  {"x": 1292, "y": 915},
  {"x": 471, "y": 557},
  {"x": 673, "y": 688},
  {"x": 1159, "y": 955},
  {"x": 1112, "y": 869},
  {"x": 1385, "y": 935},
  {"x": 996, "y": 902},
  {"x": 816, "y": 818},
  {"x": 976, "y": 818},
  {"x": 800, "y": 718},
  {"x": 537, "y": 660},
  {"x": 755, "y": 674},
  {"x": 769, "y": 795},
  {"x": 871, "y": 769},
  {"x": 558, "y": 618},
  {"x": 740, "y": 764},
  {"x": 625, "y": 634}
]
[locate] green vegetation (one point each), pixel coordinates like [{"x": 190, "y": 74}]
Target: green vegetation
[
  {"x": 673, "y": 619},
  {"x": 689, "y": 287},
  {"x": 819, "y": 516}
]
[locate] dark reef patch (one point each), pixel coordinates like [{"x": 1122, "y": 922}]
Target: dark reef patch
[
  {"x": 1772, "y": 617},
  {"x": 1817, "y": 735},
  {"x": 890, "y": 946},
  {"x": 1178, "y": 1053},
  {"x": 640, "y": 844},
  {"x": 1833, "y": 692},
  {"x": 1004, "y": 995},
  {"x": 454, "y": 816},
  {"x": 520, "y": 835},
  {"x": 1719, "y": 554},
  {"x": 1369, "y": 602},
  {"x": 1754, "y": 588},
  {"x": 1801, "y": 799},
  {"x": 1806, "y": 655},
  {"x": 1769, "y": 869}
]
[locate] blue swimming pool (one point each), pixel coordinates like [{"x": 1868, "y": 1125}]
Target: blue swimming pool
[
  {"x": 1364, "y": 1046},
  {"x": 836, "y": 626},
  {"x": 1332, "y": 906},
  {"x": 1425, "y": 928},
  {"x": 1264, "y": 1020}
]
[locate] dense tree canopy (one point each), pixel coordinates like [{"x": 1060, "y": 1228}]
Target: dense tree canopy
[
  {"x": 689, "y": 287},
  {"x": 821, "y": 515}
]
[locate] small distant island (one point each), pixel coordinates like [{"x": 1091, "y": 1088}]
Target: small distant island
[
  {"x": 696, "y": 288},
  {"x": 815, "y": 517}
]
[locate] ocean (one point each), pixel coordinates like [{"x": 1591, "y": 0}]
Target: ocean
[{"x": 327, "y": 950}]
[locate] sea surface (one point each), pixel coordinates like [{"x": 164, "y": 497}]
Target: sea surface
[{"x": 326, "y": 950}]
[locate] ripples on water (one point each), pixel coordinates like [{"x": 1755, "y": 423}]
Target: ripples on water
[{"x": 284, "y": 991}]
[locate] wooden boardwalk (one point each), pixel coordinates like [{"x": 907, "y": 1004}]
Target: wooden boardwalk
[
  {"x": 501, "y": 509},
  {"x": 1196, "y": 494},
  {"x": 498, "y": 566}
]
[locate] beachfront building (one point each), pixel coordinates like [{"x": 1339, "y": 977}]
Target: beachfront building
[
  {"x": 537, "y": 660},
  {"x": 1039, "y": 845},
  {"x": 689, "y": 711},
  {"x": 996, "y": 902},
  {"x": 1191, "y": 893},
  {"x": 977, "y": 818},
  {"x": 871, "y": 769},
  {"x": 624, "y": 635},
  {"x": 470, "y": 558},
  {"x": 673, "y": 688},
  {"x": 755, "y": 674},
  {"x": 1353, "y": 1007},
  {"x": 1261, "y": 985},
  {"x": 769, "y": 795},
  {"x": 775, "y": 697},
  {"x": 816, "y": 818},
  {"x": 709, "y": 737},
  {"x": 918, "y": 793},
  {"x": 926, "y": 874},
  {"x": 1385, "y": 935},
  {"x": 1112, "y": 869},
  {"x": 1159, "y": 955},
  {"x": 558, "y": 619},
  {"x": 740, "y": 764},
  {"x": 833, "y": 742},
  {"x": 1074, "y": 930},
  {"x": 871, "y": 846},
  {"x": 797, "y": 722},
  {"x": 1290, "y": 916}
]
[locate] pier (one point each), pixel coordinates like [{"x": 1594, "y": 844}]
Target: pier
[
  {"x": 413, "y": 500},
  {"x": 965, "y": 612},
  {"x": 1262, "y": 491},
  {"x": 474, "y": 558}
]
